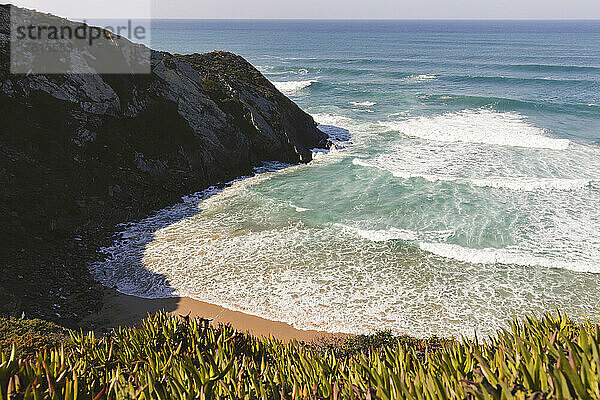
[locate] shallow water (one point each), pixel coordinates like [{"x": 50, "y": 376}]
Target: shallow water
[{"x": 468, "y": 193}]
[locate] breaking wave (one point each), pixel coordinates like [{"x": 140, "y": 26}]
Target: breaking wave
[{"x": 291, "y": 87}]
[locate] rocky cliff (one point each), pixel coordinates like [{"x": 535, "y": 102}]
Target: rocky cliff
[{"x": 82, "y": 153}]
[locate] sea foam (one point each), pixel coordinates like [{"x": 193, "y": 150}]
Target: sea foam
[
  {"x": 383, "y": 235},
  {"x": 478, "y": 126}
]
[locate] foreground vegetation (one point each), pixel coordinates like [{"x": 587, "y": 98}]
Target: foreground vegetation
[{"x": 180, "y": 358}]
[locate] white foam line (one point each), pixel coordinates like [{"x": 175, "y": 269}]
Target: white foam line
[
  {"x": 299, "y": 209},
  {"x": 418, "y": 78},
  {"x": 363, "y": 103},
  {"x": 383, "y": 235},
  {"x": 524, "y": 184},
  {"x": 407, "y": 235},
  {"x": 506, "y": 256},
  {"x": 532, "y": 184}
]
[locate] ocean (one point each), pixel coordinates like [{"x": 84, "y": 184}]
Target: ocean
[{"x": 464, "y": 189}]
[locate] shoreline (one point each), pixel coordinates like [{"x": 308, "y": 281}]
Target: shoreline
[{"x": 125, "y": 310}]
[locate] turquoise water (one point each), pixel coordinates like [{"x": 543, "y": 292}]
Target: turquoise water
[{"x": 468, "y": 192}]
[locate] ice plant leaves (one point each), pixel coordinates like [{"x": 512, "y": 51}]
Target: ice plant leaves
[{"x": 183, "y": 358}]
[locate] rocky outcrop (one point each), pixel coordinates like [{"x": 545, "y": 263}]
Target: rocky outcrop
[{"x": 81, "y": 153}]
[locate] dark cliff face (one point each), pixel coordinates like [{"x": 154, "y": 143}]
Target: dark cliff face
[{"x": 82, "y": 153}]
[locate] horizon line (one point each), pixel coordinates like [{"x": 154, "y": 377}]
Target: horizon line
[
  {"x": 377, "y": 19},
  {"x": 150, "y": 17},
  {"x": 344, "y": 19}
]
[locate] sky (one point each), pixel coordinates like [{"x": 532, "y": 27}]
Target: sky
[{"x": 321, "y": 9}]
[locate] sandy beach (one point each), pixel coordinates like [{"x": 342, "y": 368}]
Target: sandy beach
[{"x": 124, "y": 310}]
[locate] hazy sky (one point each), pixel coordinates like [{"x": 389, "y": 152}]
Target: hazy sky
[{"x": 328, "y": 9}]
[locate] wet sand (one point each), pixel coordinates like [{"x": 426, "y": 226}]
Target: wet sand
[{"x": 124, "y": 310}]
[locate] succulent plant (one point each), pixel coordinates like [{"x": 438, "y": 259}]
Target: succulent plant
[{"x": 184, "y": 358}]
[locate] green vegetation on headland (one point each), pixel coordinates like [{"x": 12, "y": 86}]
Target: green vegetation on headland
[
  {"x": 31, "y": 335},
  {"x": 181, "y": 358}
]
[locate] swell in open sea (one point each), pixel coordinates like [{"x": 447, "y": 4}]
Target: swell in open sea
[{"x": 464, "y": 191}]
